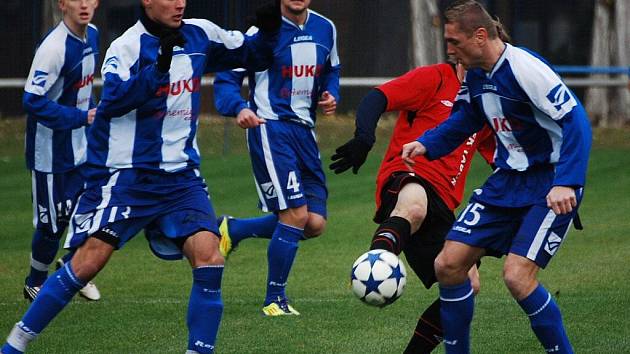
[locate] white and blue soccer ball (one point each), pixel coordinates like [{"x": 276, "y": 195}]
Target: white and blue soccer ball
[{"x": 378, "y": 277}]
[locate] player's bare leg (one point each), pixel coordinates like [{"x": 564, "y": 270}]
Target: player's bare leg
[
  {"x": 57, "y": 292},
  {"x": 205, "y": 306},
  {"x": 519, "y": 275},
  {"x": 314, "y": 226}
]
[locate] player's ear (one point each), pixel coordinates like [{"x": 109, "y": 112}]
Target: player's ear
[{"x": 480, "y": 35}]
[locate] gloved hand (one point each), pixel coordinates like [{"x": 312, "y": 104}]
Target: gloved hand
[
  {"x": 269, "y": 17},
  {"x": 351, "y": 154},
  {"x": 169, "y": 38}
]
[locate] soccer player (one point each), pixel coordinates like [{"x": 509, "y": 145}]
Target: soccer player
[
  {"x": 526, "y": 206},
  {"x": 415, "y": 209},
  {"x": 280, "y": 119},
  {"x": 58, "y": 100},
  {"x": 144, "y": 161}
]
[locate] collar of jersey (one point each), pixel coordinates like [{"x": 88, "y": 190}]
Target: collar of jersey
[{"x": 67, "y": 29}]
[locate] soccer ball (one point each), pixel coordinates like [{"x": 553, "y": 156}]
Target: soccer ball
[{"x": 378, "y": 277}]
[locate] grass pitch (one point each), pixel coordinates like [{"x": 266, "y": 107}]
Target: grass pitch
[{"x": 145, "y": 299}]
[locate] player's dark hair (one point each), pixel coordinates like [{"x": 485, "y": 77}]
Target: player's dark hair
[{"x": 470, "y": 16}]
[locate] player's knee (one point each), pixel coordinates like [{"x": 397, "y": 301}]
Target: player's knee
[
  {"x": 518, "y": 280},
  {"x": 297, "y": 217},
  {"x": 206, "y": 257},
  {"x": 415, "y": 213},
  {"x": 449, "y": 270},
  {"x": 314, "y": 227},
  {"x": 444, "y": 268}
]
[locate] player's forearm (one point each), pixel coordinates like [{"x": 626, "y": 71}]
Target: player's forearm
[
  {"x": 227, "y": 93},
  {"x": 368, "y": 113},
  {"x": 120, "y": 97},
  {"x": 330, "y": 82},
  {"x": 53, "y": 115},
  {"x": 446, "y": 137}
]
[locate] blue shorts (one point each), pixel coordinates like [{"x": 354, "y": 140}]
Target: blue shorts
[
  {"x": 54, "y": 196},
  {"x": 534, "y": 232},
  {"x": 168, "y": 206},
  {"x": 287, "y": 167}
]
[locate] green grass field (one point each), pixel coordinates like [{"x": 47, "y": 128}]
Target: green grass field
[{"x": 145, "y": 299}]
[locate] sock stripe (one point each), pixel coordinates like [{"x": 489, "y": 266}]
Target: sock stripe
[
  {"x": 431, "y": 324},
  {"x": 542, "y": 307},
  {"x": 429, "y": 340},
  {"x": 291, "y": 226},
  {"x": 211, "y": 266},
  {"x": 458, "y": 298},
  {"x": 42, "y": 267},
  {"x": 76, "y": 281},
  {"x": 385, "y": 239}
]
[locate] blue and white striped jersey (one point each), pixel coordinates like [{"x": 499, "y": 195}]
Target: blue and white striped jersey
[
  {"x": 147, "y": 119},
  {"x": 57, "y": 96},
  {"x": 306, "y": 64},
  {"x": 536, "y": 119}
]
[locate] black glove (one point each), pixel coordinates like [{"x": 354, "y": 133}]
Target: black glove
[
  {"x": 269, "y": 17},
  {"x": 351, "y": 154},
  {"x": 169, "y": 38}
]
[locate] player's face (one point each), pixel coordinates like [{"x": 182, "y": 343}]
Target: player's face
[
  {"x": 296, "y": 7},
  {"x": 466, "y": 49},
  {"x": 79, "y": 12},
  {"x": 166, "y": 12}
]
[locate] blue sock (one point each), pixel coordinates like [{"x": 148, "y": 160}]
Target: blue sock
[
  {"x": 56, "y": 293},
  {"x": 262, "y": 227},
  {"x": 280, "y": 255},
  {"x": 205, "y": 308},
  {"x": 456, "y": 311},
  {"x": 68, "y": 256},
  {"x": 43, "y": 250},
  {"x": 546, "y": 320}
]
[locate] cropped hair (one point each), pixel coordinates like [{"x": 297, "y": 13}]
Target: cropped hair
[{"x": 470, "y": 15}]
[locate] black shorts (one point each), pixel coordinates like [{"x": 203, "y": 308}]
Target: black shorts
[{"x": 426, "y": 243}]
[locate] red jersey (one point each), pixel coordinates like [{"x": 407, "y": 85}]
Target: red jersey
[{"x": 425, "y": 96}]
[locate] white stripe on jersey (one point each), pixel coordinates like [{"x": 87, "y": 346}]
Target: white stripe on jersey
[
  {"x": 177, "y": 119},
  {"x": 43, "y": 149},
  {"x": 553, "y": 130},
  {"x": 282, "y": 203},
  {"x": 47, "y": 63},
  {"x": 541, "y": 234},
  {"x": 79, "y": 140},
  {"x": 303, "y": 55},
  {"x": 261, "y": 96},
  {"x": 122, "y": 134},
  {"x": 231, "y": 39},
  {"x": 541, "y": 84},
  {"x": 517, "y": 159},
  {"x": 334, "y": 55}
]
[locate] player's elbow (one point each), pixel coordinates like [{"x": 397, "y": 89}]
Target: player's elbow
[{"x": 31, "y": 102}]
